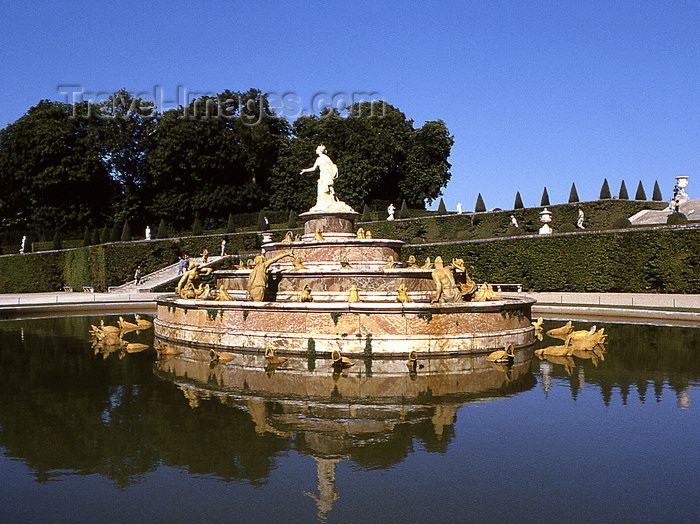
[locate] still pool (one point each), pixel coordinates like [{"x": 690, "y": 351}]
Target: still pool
[{"x": 109, "y": 436}]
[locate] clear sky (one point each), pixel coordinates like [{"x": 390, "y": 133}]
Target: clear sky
[{"x": 536, "y": 93}]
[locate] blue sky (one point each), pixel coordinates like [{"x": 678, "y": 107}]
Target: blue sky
[{"x": 535, "y": 93}]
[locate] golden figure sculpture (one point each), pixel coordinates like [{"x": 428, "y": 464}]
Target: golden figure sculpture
[
  {"x": 446, "y": 289},
  {"x": 402, "y": 295},
  {"x": 339, "y": 361},
  {"x": 318, "y": 235},
  {"x": 390, "y": 264},
  {"x": 360, "y": 234},
  {"x": 241, "y": 265},
  {"x": 412, "y": 263},
  {"x": 562, "y": 331},
  {"x": 353, "y": 294},
  {"x": 297, "y": 238},
  {"x": 223, "y": 294},
  {"x": 466, "y": 285},
  {"x": 250, "y": 264},
  {"x": 565, "y": 350},
  {"x": 297, "y": 262},
  {"x": 257, "y": 280},
  {"x": 305, "y": 295},
  {"x": 412, "y": 363},
  {"x": 220, "y": 358},
  {"x": 125, "y": 326},
  {"x": 427, "y": 264},
  {"x": 368, "y": 235},
  {"x": 142, "y": 323},
  {"x": 190, "y": 278},
  {"x": 345, "y": 263},
  {"x": 507, "y": 355},
  {"x": 289, "y": 237},
  {"x": 485, "y": 293},
  {"x": 271, "y": 360}
]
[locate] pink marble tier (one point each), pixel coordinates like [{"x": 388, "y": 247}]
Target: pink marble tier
[
  {"x": 328, "y": 253},
  {"x": 391, "y": 329},
  {"x": 331, "y": 224}
]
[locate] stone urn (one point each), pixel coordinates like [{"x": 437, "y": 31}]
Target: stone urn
[{"x": 545, "y": 218}]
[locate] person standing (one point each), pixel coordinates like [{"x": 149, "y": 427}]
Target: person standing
[
  {"x": 21, "y": 248},
  {"x": 223, "y": 247},
  {"x": 180, "y": 266},
  {"x": 148, "y": 232},
  {"x": 187, "y": 262},
  {"x": 513, "y": 221},
  {"x": 579, "y": 222},
  {"x": 137, "y": 275},
  {"x": 205, "y": 255}
]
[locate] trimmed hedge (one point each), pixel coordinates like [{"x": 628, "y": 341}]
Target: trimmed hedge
[{"x": 655, "y": 261}]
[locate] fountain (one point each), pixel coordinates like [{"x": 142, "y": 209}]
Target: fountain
[{"x": 338, "y": 289}]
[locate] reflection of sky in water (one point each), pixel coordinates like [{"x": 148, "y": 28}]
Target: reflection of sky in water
[{"x": 93, "y": 437}]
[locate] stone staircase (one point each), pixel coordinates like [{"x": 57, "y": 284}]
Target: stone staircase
[
  {"x": 155, "y": 279},
  {"x": 690, "y": 209}
]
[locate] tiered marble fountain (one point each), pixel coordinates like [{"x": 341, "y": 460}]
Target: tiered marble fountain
[{"x": 332, "y": 262}]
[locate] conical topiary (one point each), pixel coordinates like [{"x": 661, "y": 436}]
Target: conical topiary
[
  {"x": 162, "y": 229},
  {"x": 230, "y": 224},
  {"x": 366, "y": 214},
  {"x": 115, "y": 234},
  {"x": 126, "y": 232},
  {"x": 403, "y": 212},
  {"x": 545, "y": 198},
  {"x": 292, "y": 220},
  {"x": 197, "y": 226},
  {"x": 518, "y": 201},
  {"x": 105, "y": 236},
  {"x": 573, "y": 194},
  {"x": 641, "y": 194},
  {"x": 657, "y": 193},
  {"x": 57, "y": 244},
  {"x": 605, "y": 190},
  {"x": 479, "y": 207},
  {"x": 623, "y": 192},
  {"x": 87, "y": 238},
  {"x": 96, "y": 237},
  {"x": 442, "y": 210}
]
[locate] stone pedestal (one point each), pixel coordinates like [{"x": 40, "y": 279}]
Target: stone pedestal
[{"x": 332, "y": 224}]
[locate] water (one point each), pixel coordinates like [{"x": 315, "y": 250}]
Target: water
[{"x": 96, "y": 437}]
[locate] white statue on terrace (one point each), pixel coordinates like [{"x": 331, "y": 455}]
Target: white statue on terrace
[{"x": 328, "y": 172}]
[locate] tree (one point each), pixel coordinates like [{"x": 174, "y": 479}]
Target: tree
[
  {"x": 230, "y": 224},
  {"x": 105, "y": 236},
  {"x": 197, "y": 226},
  {"x": 623, "y": 192},
  {"x": 96, "y": 238},
  {"x": 52, "y": 173},
  {"x": 518, "y": 201},
  {"x": 115, "y": 234},
  {"x": 57, "y": 244},
  {"x": 162, "y": 229},
  {"x": 366, "y": 214},
  {"x": 640, "y": 195},
  {"x": 605, "y": 190},
  {"x": 87, "y": 238},
  {"x": 403, "y": 212},
  {"x": 545, "y": 198},
  {"x": 657, "y": 192},
  {"x": 126, "y": 232},
  {"x": 573, "y": 195},
  {"x": 379, "y": 157},
  {"x": 292, "y": 221},
  {"x": 442, "y": 210},
  {"x": 479, "y": 207}
]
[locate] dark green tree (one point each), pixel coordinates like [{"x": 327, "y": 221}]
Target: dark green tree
[
  {"x": 479, "y": 207},
  {"x": 605, "y": 190},
  {"x": 115, "y": 234},
  {"x": 623, "y": 192},
  {"x": 442, "y": 210},
  {"x": 366, "y": 214},
  {"x": 573, "y": 194},
  {"x": 545, "y": 198},
  {"x": 197, "y": 226},
  {"x": 96, "y": 239},
  {"x": 657, "y": 193},
  {"x": 162, "y": 229},
  {"x": 641, "y": 194},
  {"x": 105, "y": 235},
  {"x": 403, "y": 212},
  {"x": 518, "y": 201},
  {"x": 292, "y": 220},
  {"x": 230, "y": 224},
  {"x": 126, "y": 232},
  {"x": 87, "y": 238},
  {"x": 57, "y": 244}
]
